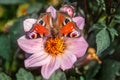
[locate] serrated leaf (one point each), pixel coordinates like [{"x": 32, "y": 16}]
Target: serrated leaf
[
  {"x": 102, "y": 40},
  {"x": 109, "y": 69},
  {"x": 5, "y": 48},
  {"x": 24, "y": 75},
  {"x": 3, "y": 76},
  {"x": 12, "y": 1},
  {"x": 113, "y": 33},
  {"x": 58, "y": 75},
  {"x": 97, "y": 26}
]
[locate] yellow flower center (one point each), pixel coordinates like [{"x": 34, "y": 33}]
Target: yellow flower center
[{"x": 55, "y": 46}]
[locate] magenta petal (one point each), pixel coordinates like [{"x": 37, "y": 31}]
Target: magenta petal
[
  {"x": 78, "y": 46},
  {"x": 67, "y": 60},
  {"x": 37, "y": 59},
  {"x": 52, "y": 10},
  {"x": 80, "y": 21},
  {"x": 48, "y": 69},
  {"x": 31, "y": 45},
  {"x": 28, "y": 23}
]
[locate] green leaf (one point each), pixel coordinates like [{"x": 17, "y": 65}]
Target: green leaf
[
  {"x": 117, "y": 17},
  {"x": 97, "y": 26},
  {"x": 3, "y": 76},
  {"x": 39, "y": 78},
  {"x": 24, "y": 75},
  {"x": 7, "y": 65},
  {"x": 5, "y": 48},
  {"x": 82, "y": 78},
  {"x": 113, "y": 33},
  {"x": 58, "y": 75},
  {"x": 102, "y": 40},
  {"x": 12, "y": 1},
  {"x": 34, "y": 8},
  {"x": 117, "y": 21},
  {"x": 92, "y": 70},
  {"x": 72, "y": 78},
  {"x": 109, "y": 69},
  {"x": 16, "y": 31}
]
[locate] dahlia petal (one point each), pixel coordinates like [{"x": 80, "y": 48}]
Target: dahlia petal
[
  {"x": 52, "y": 10},
  {"x": 67, "y": 60},
  {"x": 31, "y": 45},
  {"x": 37, "y": 60},
  {"x": 49, "y": 68},
  {"x": 78, "y": 46},
  {"x": 80, "y": 22},
  {"x": 28, "y": 23}
]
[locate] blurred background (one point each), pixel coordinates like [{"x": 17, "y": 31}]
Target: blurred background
[{"x": 102, "y": 32}]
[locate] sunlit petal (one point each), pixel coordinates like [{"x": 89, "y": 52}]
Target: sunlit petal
[
  {"x": 52, "y": 10},
  {"x": 28, "y": 23},
  {"x": 37, "y": 59},
  {"x": 67, "y": 60},
  {"x": 80, "y": 22},
  {"x": 31, "y": 45},
  {"x": 78, "y": 46},
  {"x": 49, "y": 68}
]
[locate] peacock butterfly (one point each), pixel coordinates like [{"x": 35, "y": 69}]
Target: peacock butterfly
[{"x": 62, "y": 26}]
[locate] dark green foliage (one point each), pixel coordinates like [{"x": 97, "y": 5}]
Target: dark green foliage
[
  {"x": 110, "y": 69},
  {"x": 3, "y": 76},
  {"x": 102, "y": 40},
  {"x": 5, "y": 46},
  {"x": 93, "y": 69},
  {"x": 12, "y": 1},
  {"x": 24, "y": 75},
  {"x": 16, "y": 31},
  {"x": 58, "y": 75}
]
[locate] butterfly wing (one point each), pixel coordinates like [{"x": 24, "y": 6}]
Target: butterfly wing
[
  {"x": 67, "y": 27},
  {"x": 41, "y": 28}
]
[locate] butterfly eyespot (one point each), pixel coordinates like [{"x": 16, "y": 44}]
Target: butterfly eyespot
[
  {"x": 67, "y": 20},
  {"x": 75, "y": 34},
  {"x": 41, "y": 22},
  {"x": 32, "y": 35}
]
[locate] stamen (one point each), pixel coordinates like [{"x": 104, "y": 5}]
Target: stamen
[{"x": 55, "y": 46}]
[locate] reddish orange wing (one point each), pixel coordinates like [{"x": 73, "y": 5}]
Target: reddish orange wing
[
  {"x": 67, "y": 27},
  {"x": 41, "y": 28}
]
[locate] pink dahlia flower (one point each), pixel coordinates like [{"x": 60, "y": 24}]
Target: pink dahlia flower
[{"x": 62, "y": 55}]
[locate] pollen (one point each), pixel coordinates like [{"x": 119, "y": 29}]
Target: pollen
[{"x": 55, "y": 46}]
